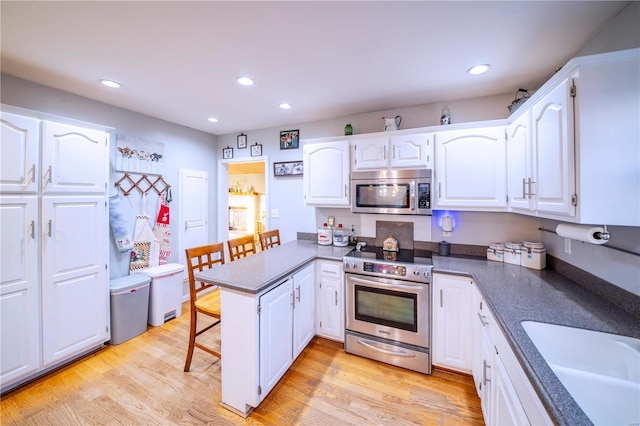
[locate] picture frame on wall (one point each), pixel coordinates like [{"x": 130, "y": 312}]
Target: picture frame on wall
[
  {"x": 242, "y": 141},
  {"x": 287, "y": 168},
  {"x": 290, "y": 139},
  {"x": 227, "y": 153},
  {"x": 256, "y": 150}
]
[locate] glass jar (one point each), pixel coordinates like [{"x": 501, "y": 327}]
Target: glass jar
[{"x": 348, "y": 130}]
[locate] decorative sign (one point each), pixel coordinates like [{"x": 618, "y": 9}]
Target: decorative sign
[{"x": 139, "y": 156}]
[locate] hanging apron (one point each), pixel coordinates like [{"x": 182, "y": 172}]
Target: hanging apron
[
  {"x": 145, "y": 253},
  {"x": 162, "y": 231},
  {"x": 119, "y": 225}
]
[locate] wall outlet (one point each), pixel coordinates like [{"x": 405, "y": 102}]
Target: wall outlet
[
  {"x": 567, "y": 245},
  {"x": 275, "y": 213}
]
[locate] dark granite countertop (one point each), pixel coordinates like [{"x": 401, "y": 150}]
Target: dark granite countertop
[
  {"x": 516, "y": 294},
  {"x": 256, "y": 273}
]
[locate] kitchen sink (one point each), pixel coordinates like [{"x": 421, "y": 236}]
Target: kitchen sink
[{"x": 601, "y": 371}]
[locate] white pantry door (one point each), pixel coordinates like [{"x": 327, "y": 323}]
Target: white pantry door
[{"x": 193, "y": 209}]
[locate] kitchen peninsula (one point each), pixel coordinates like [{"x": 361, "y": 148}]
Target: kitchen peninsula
[{"x": 513, "y": 293}]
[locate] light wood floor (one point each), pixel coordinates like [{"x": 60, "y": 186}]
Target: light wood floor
[{"x": 141, "y": 382}]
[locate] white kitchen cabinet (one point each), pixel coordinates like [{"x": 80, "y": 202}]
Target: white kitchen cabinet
[
  {"x": 276, "y": 336},
  {"x": 578, "y": 157},
  {"x": 471, "y": 172},
  {"x": 74, "y": 275},
  {"x": 452, "y": 336},
  {"x": 55, "y": 221},
  {"x": 476, "y": 331},
  {"x": 507, "y": 409},
  {"x": 382, "y": 151},
  {"x": 329, "y": 300},
  {"x": 19, "y": 160},
  {"x": 304, "y": 308},
  {"x": 326, "y": 174},
  {"x": 19, "y": 288}
]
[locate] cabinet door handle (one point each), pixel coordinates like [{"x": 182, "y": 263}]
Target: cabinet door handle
[
  {"x": 49, "y": 228},
  {"x": 393, "y": 147},
  {"x": 439, "y": 188},
  {"x": 441, "y": 298},
  {"x": 531, "y": 190},
  {"x": 384, "y": 153},
  {"x": 48, "y": 180},
  {"x": 482, "y": 317},
  {"x": 336, "y": 292},
  {"x": 293, "y": 300},
  {"x": 484, "y": 372},
  {"x": 33, "y": 230},
  {"x": 33, "y": 173},
  {"x": 524, "y": 192},
  {"x": 345, "y": 190},
  {"x": 298, "y": 291}
]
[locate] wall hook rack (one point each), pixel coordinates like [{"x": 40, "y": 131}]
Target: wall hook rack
[{"x": 127, "y": 183}]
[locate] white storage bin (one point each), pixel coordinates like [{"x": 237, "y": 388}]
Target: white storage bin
[
  {"x": 512, "y": 252},
  {"x": 129, "y": 307},
  {"x": 495, "y": 252},
  {"x": 165, "y": 301}
]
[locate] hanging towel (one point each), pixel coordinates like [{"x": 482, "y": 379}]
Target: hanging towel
[
  {"x": 119, "y": 225},
  {"x": 145, "y": 246},
  {"x": 162, "y": 231}
]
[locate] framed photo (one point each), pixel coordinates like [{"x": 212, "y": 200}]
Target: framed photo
[
  {"x": 256, "y": 150},
  {"x": 290, "y": 139},
  {"x": 287, "y": 168},
  {"x": 227, "y": 152},
  {"x": 242, "y": 141}
]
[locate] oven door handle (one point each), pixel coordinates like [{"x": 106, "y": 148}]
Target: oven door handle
[
  {"x": 402, "y": 353},
  {"x": 390, "y": 286}
]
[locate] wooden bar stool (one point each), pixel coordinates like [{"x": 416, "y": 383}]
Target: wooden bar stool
[
  {"x": 241, "y": 247},
  {"x": 269, "y": 239},
  {"x": 205, "y": 303}
]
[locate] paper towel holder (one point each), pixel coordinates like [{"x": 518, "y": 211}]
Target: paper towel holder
[{"x": 605, "y": 235}]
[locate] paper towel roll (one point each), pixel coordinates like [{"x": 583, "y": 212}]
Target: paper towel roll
[{"x": 581, "y": 233}]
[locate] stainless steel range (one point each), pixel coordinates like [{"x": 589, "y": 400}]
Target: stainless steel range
[{"x": 388, "y": 303}]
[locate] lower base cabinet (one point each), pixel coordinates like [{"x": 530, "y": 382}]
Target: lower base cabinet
[
  {"x": 507, "y": 397},
  {"x": 263, "y": 334},
  {"x": 329, "y": 300}
]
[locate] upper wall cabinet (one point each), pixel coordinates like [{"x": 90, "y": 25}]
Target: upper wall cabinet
[
  {"x": 326, "y": 174},
  {"x": 573, "y": 149},
  {"x": 470, "y": 171},
  {"x": 383, "y": 151},
  {"x": 19, "y": 161}
]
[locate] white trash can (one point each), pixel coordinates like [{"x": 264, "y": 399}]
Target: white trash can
[
  {"x": 129, "y": 307},
  {"x": 165, "y": 300}
]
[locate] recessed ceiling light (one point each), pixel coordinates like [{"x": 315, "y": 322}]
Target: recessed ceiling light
[
  {"x": 111, "y": 83},
  {"x": 213, "y": 119},
  {"x": 285, "y": 106},
  {"x": 479, "y": 69},
  {"x": 245, "y": 81}
]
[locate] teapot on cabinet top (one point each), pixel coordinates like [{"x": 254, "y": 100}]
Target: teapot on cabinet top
[{"x": 391, "y": 124}]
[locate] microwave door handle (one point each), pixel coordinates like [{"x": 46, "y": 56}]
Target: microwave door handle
[
  {"x": 389, "y": 286},
  {"x": 412, "y": 196}
]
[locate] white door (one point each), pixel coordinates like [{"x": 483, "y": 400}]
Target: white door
[
  {"x": 326, "y": 174},
  {"x": 19, "y": 297},
  {"x": 330, "y": 308},
  {"x": 74, "y": 159},
  {"x": 409, "y": 151},
  {"x": 19, "y": 153},
  {"x": 452, "y": 338},
  {"x": 370, "y": 153},
  {"x": 471, "y": 169},
  {"x": 276, "y": 343},
  {"x": 553, "y": 140},
  {"x": 520, "y": 179},
  {"x": 75, "y": 290},
  {"x": 304, "y": 309},
  {"x": 193, "y": 209}
]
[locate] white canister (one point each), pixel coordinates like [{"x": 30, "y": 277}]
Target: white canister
[
  {"x": 495, "y": 252},
  {"x": 533, "y": 255},
  {"x": 325, "y": 236},
  {"x": 340, "y": 237},
  {"x": 512, "y": 251}
]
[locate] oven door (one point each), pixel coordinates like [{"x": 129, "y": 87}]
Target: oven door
[{"x": 389, "y": 309}]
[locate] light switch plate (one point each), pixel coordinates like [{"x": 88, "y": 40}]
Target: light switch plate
[{"x": 275, "y": 213}]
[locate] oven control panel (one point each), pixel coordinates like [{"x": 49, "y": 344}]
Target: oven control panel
[
  {"x": 409, "y": 272},
  {"x": 385, "y": 268}
]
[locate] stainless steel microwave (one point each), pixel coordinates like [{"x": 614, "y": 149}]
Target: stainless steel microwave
[{"x": 391, "y": 192}]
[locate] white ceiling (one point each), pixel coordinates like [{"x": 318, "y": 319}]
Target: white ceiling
[{"x": 178, "y": 61}]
